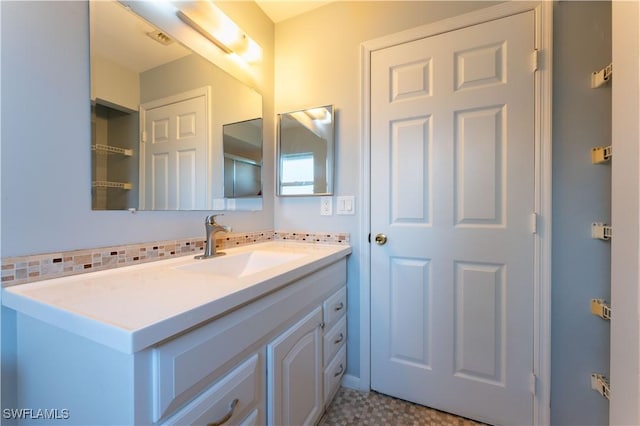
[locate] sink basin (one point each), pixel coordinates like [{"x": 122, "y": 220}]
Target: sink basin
[{"x": 241, "y": 264}]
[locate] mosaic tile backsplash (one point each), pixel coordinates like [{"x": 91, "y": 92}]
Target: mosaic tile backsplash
[{"x": 25, "y": 269}]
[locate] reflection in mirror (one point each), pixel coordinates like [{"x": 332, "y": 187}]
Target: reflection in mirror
[
  {"x": 114, "y": 134},
  {"x": 242, "y": 147},
  {"x": 305, "y": 152},
  {"x": 158, "y": 112}
]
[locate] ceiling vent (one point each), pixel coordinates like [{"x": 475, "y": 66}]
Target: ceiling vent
[{"x": 160, "y": 37}]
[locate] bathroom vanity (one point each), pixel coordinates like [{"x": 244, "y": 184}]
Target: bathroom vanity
[{"x": 253, "y": 337}]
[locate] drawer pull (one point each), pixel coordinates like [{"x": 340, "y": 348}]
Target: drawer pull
[
  {"x": 339, "y": 306},
  {"x": 339, "y": 339},
  {"x": 339, "y": 371},
  {"x": 227, "y": 416}
]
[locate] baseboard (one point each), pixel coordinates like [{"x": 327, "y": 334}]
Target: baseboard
[{"x": 351, "y": 382}]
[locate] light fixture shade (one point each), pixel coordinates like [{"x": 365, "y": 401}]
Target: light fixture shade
[
  {"x": 317, "y": 113},
  {"x": 207, "y": 19},
  {"x": 253, "y": 52}
]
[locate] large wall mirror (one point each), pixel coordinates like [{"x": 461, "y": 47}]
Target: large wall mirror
[
  {"x": 170, "y": 130},
  {"x": 305, "y": 152}
]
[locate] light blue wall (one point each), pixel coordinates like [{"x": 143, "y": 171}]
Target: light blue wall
[{"x": 581, "y": 195}]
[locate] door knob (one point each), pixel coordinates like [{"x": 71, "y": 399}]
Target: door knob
[{"x": 381, "y": 239}]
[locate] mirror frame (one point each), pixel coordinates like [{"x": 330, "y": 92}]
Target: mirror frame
[{"x": 329, "y": 163}]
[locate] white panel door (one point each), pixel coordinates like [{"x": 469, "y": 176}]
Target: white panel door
[
  {"x": 452, "y": 189},
  {"x": 175, "y": 155}
]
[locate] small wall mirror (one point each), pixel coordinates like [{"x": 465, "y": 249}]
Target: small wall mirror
[{"x": 305, "y": 152}]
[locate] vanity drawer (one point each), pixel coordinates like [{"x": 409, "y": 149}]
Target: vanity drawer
[
  {"x": 334, "y": 339},
  {"x": 231, "y": 398},
  {"x": 335, "y": 306},
  {"x": 186, "y": 366},
  {"x": 333, "y": 374}
]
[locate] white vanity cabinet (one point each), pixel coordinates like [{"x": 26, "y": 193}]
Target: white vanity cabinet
[{"x": 270, "y": 360}]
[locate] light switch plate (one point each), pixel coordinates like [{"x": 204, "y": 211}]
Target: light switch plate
[
  {"x": 346, "y": 204},
  {"x": 326, "y": 206}
]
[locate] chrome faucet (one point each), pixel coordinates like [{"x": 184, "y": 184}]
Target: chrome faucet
[{"x": 212, "y": 228}]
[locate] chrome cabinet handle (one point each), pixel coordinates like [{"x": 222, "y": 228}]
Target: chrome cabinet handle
[
  {"x": 339, "y": 339},
  {"x": 340, "y": 371},
  {"x": 381, "y": 239},
  {"x": 339, "y": 306},
  {"x": 227, "y": 416}
]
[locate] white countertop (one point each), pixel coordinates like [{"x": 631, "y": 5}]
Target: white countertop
[{"x": 134, "y": 307}]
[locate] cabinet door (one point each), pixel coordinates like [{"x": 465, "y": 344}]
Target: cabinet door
[{"x": 295, "y": 373}]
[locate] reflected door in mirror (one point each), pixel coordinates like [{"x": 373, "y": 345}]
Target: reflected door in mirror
[{"x": 174, "y": 153}]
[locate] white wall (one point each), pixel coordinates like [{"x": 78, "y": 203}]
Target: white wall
[
  {"x": 114, "y": 83},
  {"x": 46, "y": 192}
]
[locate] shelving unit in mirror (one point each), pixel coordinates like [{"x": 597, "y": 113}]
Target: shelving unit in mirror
[
  {"x": 108, "y": 149},
  {"x": 108, "y": 184}
]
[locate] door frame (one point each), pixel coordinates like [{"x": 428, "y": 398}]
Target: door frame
[
  {"x": 541, "y": 387},
  {"x": 624, "y": 367},
  {"x": 171, "y": 99}
]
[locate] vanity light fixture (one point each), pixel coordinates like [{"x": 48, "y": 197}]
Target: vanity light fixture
[
  {"x": 207, "y": 19},
  {"x": 319, "y": 114},
  {"x": 316, "y": 120}
]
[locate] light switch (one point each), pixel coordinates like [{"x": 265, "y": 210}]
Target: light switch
[{"x": 346, "y": 204}]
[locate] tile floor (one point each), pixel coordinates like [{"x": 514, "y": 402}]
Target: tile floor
[{"x": 351, "y": 407}]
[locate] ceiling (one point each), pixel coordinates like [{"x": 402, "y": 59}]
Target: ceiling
[
  {"x": 278, "y": 10},
  {"x": 119, "y": 35}
]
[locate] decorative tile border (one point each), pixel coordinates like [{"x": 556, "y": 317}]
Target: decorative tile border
[
  {"x": 340, "y": 238},
  {"x": 26, "y": 269}
]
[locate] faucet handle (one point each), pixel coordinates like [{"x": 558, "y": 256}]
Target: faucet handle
[{"x": 211, "y": 219}]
